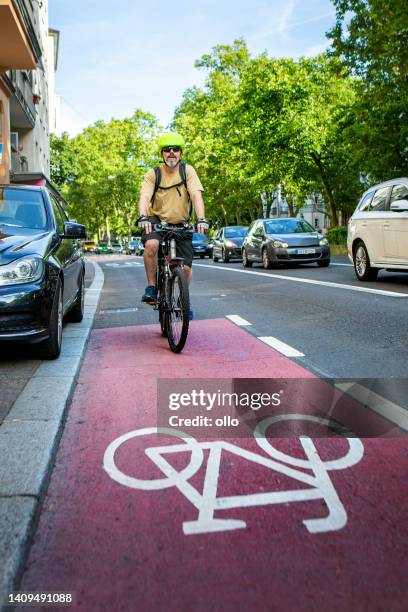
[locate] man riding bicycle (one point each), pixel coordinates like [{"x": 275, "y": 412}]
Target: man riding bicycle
[{"x": 167, "y": 195}]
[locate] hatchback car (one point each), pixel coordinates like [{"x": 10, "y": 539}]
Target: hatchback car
[
  {"x": 378, "y": 230},
  {"x": 284, "y": 240},
  {"x": 41, "y": 268},
  {"x": 228, "y": 243},
  {"x": 201, "y": 245}
]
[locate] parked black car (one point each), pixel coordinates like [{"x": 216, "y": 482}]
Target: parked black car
[
  {"x": 201, "y": 245},
  {"x": 228, "y": 243},
  {"x": 41, "y": 268},
  {"x": 284, "y": 241}
]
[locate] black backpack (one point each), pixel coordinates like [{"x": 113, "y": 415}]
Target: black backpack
[{"x": 157, "y": 186}]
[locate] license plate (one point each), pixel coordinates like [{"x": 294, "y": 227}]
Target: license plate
[{"x": 306, "y": 251}]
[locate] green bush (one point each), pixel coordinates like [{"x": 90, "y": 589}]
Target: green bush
[{"x": 337, "y": 235}]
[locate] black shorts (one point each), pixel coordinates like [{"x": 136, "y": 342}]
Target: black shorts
[{"x": 184, "y": 246}]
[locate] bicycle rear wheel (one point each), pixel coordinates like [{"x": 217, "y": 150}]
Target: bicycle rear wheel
[{"x": 176, "y": 318}]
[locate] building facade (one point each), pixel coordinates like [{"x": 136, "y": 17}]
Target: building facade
[{"x": 28, "y": 58}]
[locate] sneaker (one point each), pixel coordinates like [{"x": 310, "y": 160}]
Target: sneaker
[
  {"x": 150, "y": 295},
  {"x": 190, "y": 314}
]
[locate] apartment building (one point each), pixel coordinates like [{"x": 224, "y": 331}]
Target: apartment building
[{"x": 28, "y": 60}]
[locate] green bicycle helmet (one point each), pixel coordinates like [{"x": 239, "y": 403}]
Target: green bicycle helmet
[{"x": 170, "y": 139}]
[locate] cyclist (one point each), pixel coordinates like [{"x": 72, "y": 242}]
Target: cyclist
[{"x": 167, "y": 195}]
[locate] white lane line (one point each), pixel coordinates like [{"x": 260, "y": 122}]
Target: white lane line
[
  {"x": 332, "y": 263},
  {"x": 309, "y": 281},
  {"x": 384, "y": 407},
  {"x": 238, "y": 320},
  {"x": 280, "y": 346}
]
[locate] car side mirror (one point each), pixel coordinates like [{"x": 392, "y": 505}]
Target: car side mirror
[
  {"x": 74, "y": 230},
  {"x": 400, "y": 205}
]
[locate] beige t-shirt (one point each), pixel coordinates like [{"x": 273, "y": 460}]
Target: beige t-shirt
[{"x": 171, "y": 205}]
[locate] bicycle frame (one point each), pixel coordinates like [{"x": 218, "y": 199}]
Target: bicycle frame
[{"x": 170, "y": 272}]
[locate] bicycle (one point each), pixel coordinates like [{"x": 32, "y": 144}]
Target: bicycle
[{"x": 173, "y": 300}]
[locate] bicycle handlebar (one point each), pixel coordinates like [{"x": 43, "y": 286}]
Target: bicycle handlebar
[{"x": 179, "y": 228}]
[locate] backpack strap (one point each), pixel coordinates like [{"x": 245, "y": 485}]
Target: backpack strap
[
  {"x": 157, "y": 174},
  {"x": 183, "y": 176}
]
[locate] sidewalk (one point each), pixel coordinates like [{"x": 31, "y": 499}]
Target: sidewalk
[{"x": 30, "y": 434}]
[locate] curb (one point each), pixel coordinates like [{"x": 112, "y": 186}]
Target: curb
[{"x": 29, "y": 439}]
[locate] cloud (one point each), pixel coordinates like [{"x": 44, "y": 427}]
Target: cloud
[
  {"x": 286, "y": 15},
  {"x": 288, "y": 26}
]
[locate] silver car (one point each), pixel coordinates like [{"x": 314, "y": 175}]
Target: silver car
[{"x": 284, "y": 240}]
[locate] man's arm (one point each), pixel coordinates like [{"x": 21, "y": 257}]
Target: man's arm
[{"x": 198, "y": 203}]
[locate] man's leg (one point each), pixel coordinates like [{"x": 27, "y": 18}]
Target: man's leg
[
  {"x": 150, "y": 260},
  {"x": 189, "y": 273}
]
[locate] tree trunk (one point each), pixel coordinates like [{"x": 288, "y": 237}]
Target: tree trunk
[
  {"x": 329, "y": 191},
  {"x": 108, "y": 235}
]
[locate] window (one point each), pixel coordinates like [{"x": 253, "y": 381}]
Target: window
[
  {"x": 59, "y": 216},
  {"x": 22, "y": 208},
  {"x": 379, "y": 200},
  {"x": 399, "y": 192},
  {"x": 365, "y": 203}
]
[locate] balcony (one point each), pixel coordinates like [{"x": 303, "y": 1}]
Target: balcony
[
  {"x": 22, "y": 108},
  {"x": 19, "y": 46}
]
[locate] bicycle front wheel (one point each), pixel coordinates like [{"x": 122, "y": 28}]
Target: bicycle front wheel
[{"x": 178, "y": 302}]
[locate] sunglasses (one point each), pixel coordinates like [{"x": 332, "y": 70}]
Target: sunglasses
[{"x": 168, "y": 149}]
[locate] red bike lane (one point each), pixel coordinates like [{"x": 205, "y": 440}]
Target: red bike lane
[{"x": 163, "y": 524}]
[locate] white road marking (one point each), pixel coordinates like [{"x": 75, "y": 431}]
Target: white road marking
[
  {"x": 318, "y": 483},
  {"x": 332, "y": 263},
  {"x": 125, "y": 264},
  {"x": 280, "y": 346},
  {"x": 382, "y": 406},
  {"x": 309, "y": 281},
  {"x": 238, "y": 320}
]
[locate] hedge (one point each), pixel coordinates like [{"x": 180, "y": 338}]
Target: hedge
[{"x": 337, "y": 235}]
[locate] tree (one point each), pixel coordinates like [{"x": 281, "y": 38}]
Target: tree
[
  {"x": 101, "y": 171},
  {"x": 370, "y": 37}
]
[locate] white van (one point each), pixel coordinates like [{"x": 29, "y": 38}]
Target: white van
[{"x": 378, "y": 230}]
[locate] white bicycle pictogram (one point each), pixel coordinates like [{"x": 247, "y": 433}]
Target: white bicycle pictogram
[{"x": 319, "y": 484}]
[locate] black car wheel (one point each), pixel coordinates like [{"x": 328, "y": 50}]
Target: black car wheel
[
  {"x": 324, "y": 263},
  {"x": 202, "y": 255},
  {"x": 362, "y": 266},
  {"x": 266, "y": 262},
  {"x": 76, "y": 314},
  {"x": 225, "y": 257},
  {"x": 245, "y": 261},
  {"x": 51, "y": 348},
  {"x": 215, "y": 258}
]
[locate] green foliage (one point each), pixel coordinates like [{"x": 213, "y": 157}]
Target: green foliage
[
  {"x": 100, "y": 171},
  {"x": 371, "y": 38},
  {"x": 261, "y": 122},
  {"x": 337, "y": 235}
]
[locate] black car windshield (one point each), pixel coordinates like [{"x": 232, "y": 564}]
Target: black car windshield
[
  {"x": 235, "y": 232},
  {"x": 200, "y": 237},
  {"x": 22, "y": 208},
  {"x": 288, "y": 226}
]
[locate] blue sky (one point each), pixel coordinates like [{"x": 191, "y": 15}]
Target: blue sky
[{"x": 116, "y": 56}]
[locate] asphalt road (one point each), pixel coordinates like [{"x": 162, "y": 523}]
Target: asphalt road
[{"x": 350, "y": 329}]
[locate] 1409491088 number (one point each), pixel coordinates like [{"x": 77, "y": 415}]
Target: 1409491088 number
[{"x": 46, "y": 598}]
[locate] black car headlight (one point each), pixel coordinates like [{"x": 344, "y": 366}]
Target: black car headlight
[{"x": 25, "y": 270}]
